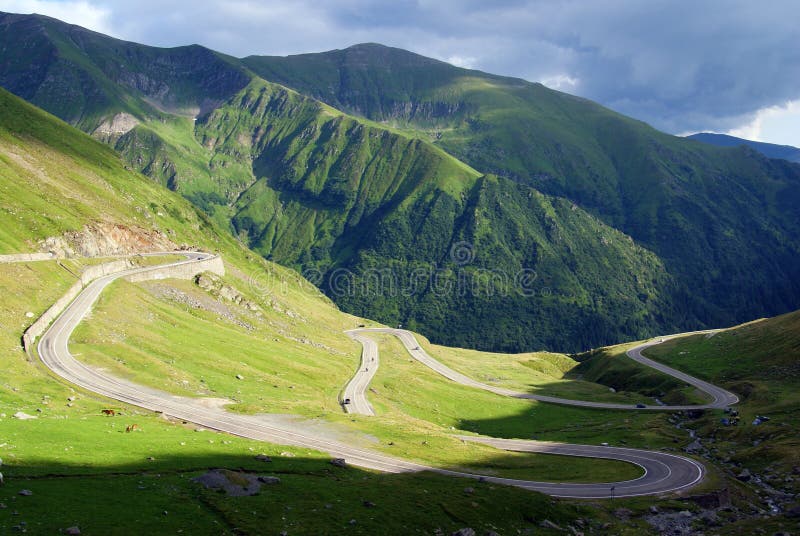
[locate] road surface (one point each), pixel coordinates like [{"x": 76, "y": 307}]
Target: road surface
[
  {"x": 720, "y": 397},
  {"x": 354, "y": 398},
  {"x": 664, "y": 473}
]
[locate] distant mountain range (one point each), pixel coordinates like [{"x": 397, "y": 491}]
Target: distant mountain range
[
  {"x": 481, "y": 210},
  {"x": 770, "y": 150}
]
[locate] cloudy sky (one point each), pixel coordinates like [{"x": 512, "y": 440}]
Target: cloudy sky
[{"x": 682, "y": 66}]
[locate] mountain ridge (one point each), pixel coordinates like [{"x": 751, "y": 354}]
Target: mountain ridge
[
  {"x": 491, "y": 154},
  {"x": 770, "y": 150}
]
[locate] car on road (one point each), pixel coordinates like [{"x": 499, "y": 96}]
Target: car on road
[{"x": 640, "y": 406}]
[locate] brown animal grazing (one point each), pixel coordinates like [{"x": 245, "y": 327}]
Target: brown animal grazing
[
  {"x": 131, "y": 428},
  {"x": 109, "y": 412}
]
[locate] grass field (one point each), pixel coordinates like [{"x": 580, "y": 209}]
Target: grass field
[
  {"x": 759, "y": 361},
  {"x": 84, "y": 470},
  {"x": 146, "y": 340},
  {"x": 541, "y": 373}
]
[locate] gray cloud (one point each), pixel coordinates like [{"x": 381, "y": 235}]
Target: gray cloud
[{"x": 679, "y": 65}]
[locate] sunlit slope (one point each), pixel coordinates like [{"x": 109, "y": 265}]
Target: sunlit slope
[{"x": 723, "y": 221}]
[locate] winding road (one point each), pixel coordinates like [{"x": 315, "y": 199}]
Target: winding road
[
  {"x": 720, "y": 397},
  {"x": 354, "y": 399},
  {"x": 663, "y": 473}
]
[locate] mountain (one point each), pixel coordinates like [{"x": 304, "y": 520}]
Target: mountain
[
  {"x": 699, "y": 208},
  {"x": 259, "y": 339},
  {"x": 770, "y": 150},
  {"x": 482, "y": 210}
]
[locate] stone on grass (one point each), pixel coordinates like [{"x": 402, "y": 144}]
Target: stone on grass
[
  {"x": 72, "y": 530},
  {"x": 338, "y": 462},
  {"x": 21, "y": 415},
  {"x": 235, "y": 483},
  {"x": 547, "y": 524},
  {"x": 466, "y": 531},
  {"x": 25, "y": 492},
  {"x": 744, "y": 476}
]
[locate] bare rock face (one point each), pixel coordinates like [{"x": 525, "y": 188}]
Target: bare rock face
[
  {"x": 116, "y": 126},
  {"x": 106, "y": 239}
]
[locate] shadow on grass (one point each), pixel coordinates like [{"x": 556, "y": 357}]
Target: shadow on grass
[
  {"x": 592, "y": 426},
  {"x": 313, "y": 496}
]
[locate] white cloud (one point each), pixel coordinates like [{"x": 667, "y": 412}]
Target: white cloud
[
  {"x": 774, "y": 124},
  {"x": 467, "y": 62},
  {"x": 561, "y": 82},
  {"x": 712, "y": 71},
  {"x": 81, "y": 13}
]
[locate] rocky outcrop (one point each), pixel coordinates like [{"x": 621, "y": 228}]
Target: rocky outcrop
[
  {"x": 106, "y": 240},
  {"x": 114, "y": 127},
  {"x": 212, "y": 284}
]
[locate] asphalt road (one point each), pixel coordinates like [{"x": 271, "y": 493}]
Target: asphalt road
[
  {"x": 354, "y": 398},
  {"x": 720, "y": 397},
  {"x": 664, "y": 473}
]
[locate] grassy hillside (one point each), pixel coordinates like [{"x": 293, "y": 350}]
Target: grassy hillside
[
  {"x": 759, "y": 362},
  {"x": 576, "y": 226},
  {"x": 285, "y": 339},
  {"x": 57, "y": 180},
  {"x": 699, "y": 208},
  {"x": 281, "y": 332}
]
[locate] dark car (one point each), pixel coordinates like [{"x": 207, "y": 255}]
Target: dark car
[{"x": 640, "y": 406}]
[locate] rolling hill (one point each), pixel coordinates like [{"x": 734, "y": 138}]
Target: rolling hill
[{"x": 562, "y": 225}]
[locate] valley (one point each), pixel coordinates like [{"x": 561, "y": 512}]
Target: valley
[{"x": 365, "y": 291}]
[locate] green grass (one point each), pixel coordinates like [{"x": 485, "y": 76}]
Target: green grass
[
  {"x": 541, "y": 373},
  {"x": 145, "y": 340},
  {"x": 57, "y": 456},
  {"x": 758, "y": 361},
  {"x": 611, "y": 366}
]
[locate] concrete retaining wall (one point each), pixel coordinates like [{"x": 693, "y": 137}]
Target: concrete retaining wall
[
  {"x": 87, "y": 276},
  {"x": 27, "y": 257},
  {"x": 182, "y": 271}
]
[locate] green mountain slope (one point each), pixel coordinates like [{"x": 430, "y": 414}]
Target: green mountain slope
[
  {"x": 759, "y": 361},
  {"x": 350, "y": 202},
  {"x": 375, "y": 218},
  {"x": 701, "y": 209},
  {"x": 81, "y": 76},
  {"x": 267, "y": 325},
  {"x": 370, "y": 207}
]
